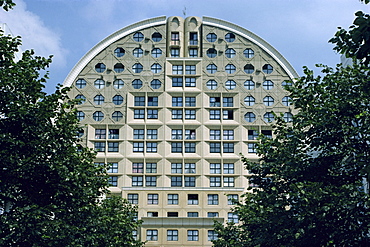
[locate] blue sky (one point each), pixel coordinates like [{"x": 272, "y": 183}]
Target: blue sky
[{"x": 67, "y": 29}]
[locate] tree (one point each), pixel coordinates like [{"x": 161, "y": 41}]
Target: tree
[
  {"x": 51, "y": 193},
  {"x": 311, "y": 175}
]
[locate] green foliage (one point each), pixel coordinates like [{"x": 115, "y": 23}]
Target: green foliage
[
  {"x": 50, "y": 189},
  {"x": 310, "y": 174},
  {"x": 7, "y": 4}
]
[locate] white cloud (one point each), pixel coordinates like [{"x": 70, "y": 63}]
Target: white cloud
[{"x": 34, "y": 32}]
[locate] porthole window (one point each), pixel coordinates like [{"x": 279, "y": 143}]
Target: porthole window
[
  {"x": 137, "y": 68},
  {"x": 268, "y": 117},
  {"x": 155, "y": 84},
  {"x": 99, "y": 99},
  {"x": 98, "y": 116},
  {"x": 156, "y": 37},
  {"x": 138, "y": 36},
  {"x": 99, "y": 84},
  {"x": 118, "y": 84},
  {"x": 250, "y": 117},
  {"x": 211, "y": 53},
  {"x": 117, "y": 100},
  {"x": 249, "y": 85},
  {"x": 267, "y": 68},
  {"x": 117, "y": 116},
  {"x": 230, "y": 84},
  {"x": 212, "y": 84},
  {"x": 230, "y": 68},
  {"x": 249, "y": 100},
  {"x": 249, "y": 68},
  {"x": 248, "y": 53},
  {"x": 81, "y": 99},
  {"x": 119, "y": 68},
  {"x": 230, "y": 53},
  {"x": 211, "y": 37},
  {"x": 80, "y": 83},
  {"x": 156, "y": 68},
  {"x": 286, "y": 101},
  {"x": 286, "y": 83},
  {"x": 211, "y": 68},
  {"x": 268, "y": 101},
  {"x": 80, "y": 115},
  {"x": 288, "y": 117},
  {"x": 137, "y": 52},
  {"x": 100, "y": 67},
  {"x": 137, "y": 84},
  {"x": 268, "y": 85},
  {"x": 230, "y": 37},
  {"x": 156, "y": 52},
  {"x": 119, "y": 52}
]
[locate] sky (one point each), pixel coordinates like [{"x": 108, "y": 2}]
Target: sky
[{"x": 68, "y": 29}]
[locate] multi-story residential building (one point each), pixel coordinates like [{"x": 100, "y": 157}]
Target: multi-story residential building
[{"x": 171, "y": 104}]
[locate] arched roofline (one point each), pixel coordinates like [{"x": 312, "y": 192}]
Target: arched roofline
[
  {"x": 81, "y": 64},
  {"x": 255, "y": 39}
]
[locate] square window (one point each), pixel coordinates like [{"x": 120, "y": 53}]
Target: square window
[
  {"x": 138, "y": 147},
  {"x": 232, "y": 218},
  {"x": 215, "y": 181},
  {"x": 151, "y": 134},
  {"x": 189, "y": 147},
  {"x": 212, "y": 235},
  {"x": 113, "y": 167},
  {"x": 215, "y": 168},
  {"x": 153, "y": 199},
  {"x": 193, "y": 38},
  {"x": 193, "y": 214},
  {"x": 190, "y": 101},
  {"x": 138, "y": 134},
  {"x": 137, "y": 181},
  {"x": 189, "y": 181},
  {"x": 192, "y": 199},
  {"x": 231, "y": 199},
  {"x": 214, "y": 114},
  {"x": 133, "y": 198},
  {"x": 100, "y": 133},
  {"x": 151, "y": 181},
  {"x": 137, "y": 167},
  {"x": 113, "y": 147},
  {"x": 214, "y": 101},
  {"x": 190, "y": 168},
  {"x": 228, "y": 114},
  {"x": 151, "y": 147},
  {"x": 190, "y": 70},
  {"x": 176, "y": 181},
  {"x": 176, "y": 168},
  {"x": 139, "y": 101},
  {"x": 189, "y": 114},
  {"x": 152, "y": 235},
  {"x": 190, "y": 134},
  {"x": 252, "y": 135},
  {"x": 175, "y": 52},
  {"x": 215, "y": 147},
  {"x": 99, "y": 146},
  {"x": 214, "y": 134},
  {"x": 172, "y": 214},
  {"x": 172, "y": 235},
  {"x": 177, "y": 81},
  {"x": 153, "y": 101},
  {"x": 228, "y": 168},
  {"x": 113, "y": 181},
  {"x": 267, "y": 133},
  {"x": 228, "y": 147},
  {"x": 173, "y": 199},
  {"x": 193, "y": 52},
  {"x": 139, "y": 114},
  {"x": 176, "y": 147},
  {"x": 113, "y": 134},
  {"x": 228, "y": 182},
  {"x": 176, "y": 114},
  {"x": 192, "y": 235},
  {"x": 190, "y": 82},
  {"x": 176, "y": 101},
  {"x": 228, "y": 135},
  {"x": 212, "y": 214},
  {"x": 177, "y": 69},
  {"x": 228, "y": 102},
  {"x": 152, "y": 214},
  {"x": 252, "y": 148},
  {"x": 212, "y": 199},
  {"x": 176, "y": 134},
  {"x": 152, "y": 114},
  {"x": 151, "y": 167}
]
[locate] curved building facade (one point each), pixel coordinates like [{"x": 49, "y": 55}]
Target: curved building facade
[{"x": 171, "y": 104}]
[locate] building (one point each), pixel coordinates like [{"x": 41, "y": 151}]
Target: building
[{"x": 171, "y": 104}]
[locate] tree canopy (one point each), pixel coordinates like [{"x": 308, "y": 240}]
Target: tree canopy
[
  {"x": 51, "y": 193},
  {"x": 310, "y": 179}
]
